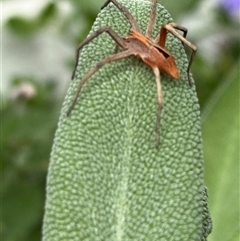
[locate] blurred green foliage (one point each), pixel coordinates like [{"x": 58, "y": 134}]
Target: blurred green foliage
[
  {"x": 28, "y": 127},
  {"x": 23, "y": 26},
  {"x": 29, "y": 122},
  {"x": 221, "y": 146}
]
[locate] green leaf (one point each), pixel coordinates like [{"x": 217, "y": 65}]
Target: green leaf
[
  {"x": 221, "y": 149},
  {"x": 27, "y": 130},
  {"x": 21, "y": 219},
  {"x": 24, "y": 26},
  {"x": 46, "y": 14},
  {"x": 107, "y": 180},
  {"x": 21, "y": 25}
]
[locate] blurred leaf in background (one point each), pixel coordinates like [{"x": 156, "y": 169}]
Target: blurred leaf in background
[
  {"x": 22, "y": 25},
  {"x": 38, "y": 52},
  {"x": 221, "y": 148},
  {"x": 28, "y": 125}
]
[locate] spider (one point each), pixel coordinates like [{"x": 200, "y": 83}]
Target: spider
[{"x": 151, "y": 51}]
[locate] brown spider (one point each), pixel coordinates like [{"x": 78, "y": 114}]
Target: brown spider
[{"x": 152, "y": 52}]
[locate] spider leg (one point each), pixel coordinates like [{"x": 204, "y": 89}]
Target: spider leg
[
  {"x": 171, "y": 27},
  {"x": 116, "y": 50},
  {"x": 161, "y": 38},
  {"x": 108, "y": 30},
  {"x": 100, "y": 64},
  {"x": 181, "y": 28},
  {"x": 160, "y": 103},
  {"x": 152, "y": 19},
  {"x": 127, "y": 14}
]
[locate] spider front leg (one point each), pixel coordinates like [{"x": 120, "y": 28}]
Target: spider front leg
[
  {"x": 87, "y": 40},
  {"x": 100, "y": 64},
  {"x": 171, "y": 27},
  {"x": 152, "y": 18},
  {"x": 126, "y": 13}
]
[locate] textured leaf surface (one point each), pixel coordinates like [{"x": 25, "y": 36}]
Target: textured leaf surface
[
  {"x": 221, "y": 150},
  {"x": 106, "y": 180}
]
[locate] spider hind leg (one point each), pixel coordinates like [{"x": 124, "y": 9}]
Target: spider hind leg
[{"x": 159, "y": 104}]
